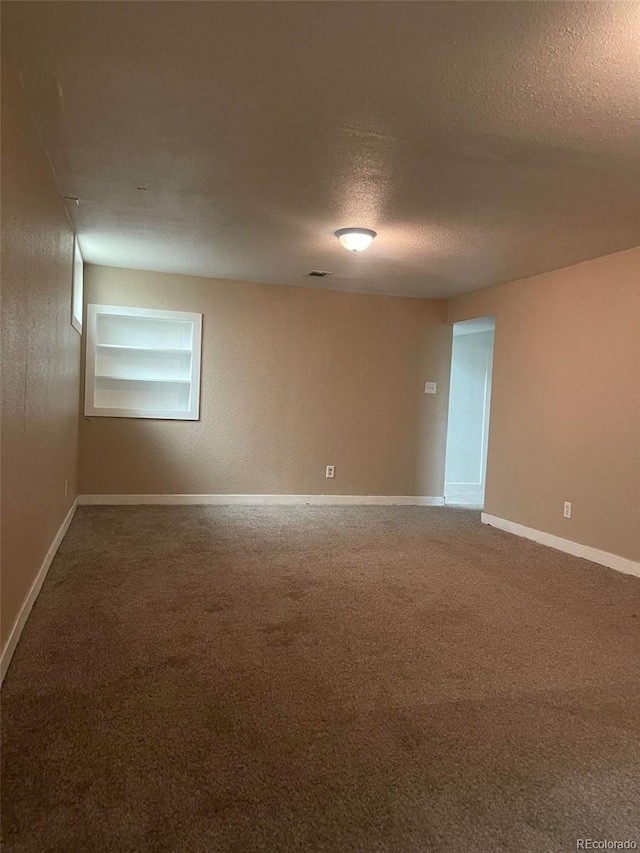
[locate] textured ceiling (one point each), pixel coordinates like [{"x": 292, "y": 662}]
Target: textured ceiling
[{"x": 483, "y": 141}]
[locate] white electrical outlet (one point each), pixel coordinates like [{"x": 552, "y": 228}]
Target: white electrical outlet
[
  {"x": 430, "y": 387},
  {"x": 567, "y": 509},
  {"x": 330, "y": 472}
]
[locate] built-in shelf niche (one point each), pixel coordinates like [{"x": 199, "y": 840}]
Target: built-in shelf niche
[{"x": 142, "y": 363}]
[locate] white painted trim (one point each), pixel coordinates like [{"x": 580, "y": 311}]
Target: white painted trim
[
  {"x": 77, "y": 287},
  {"x": 30, "y": 600},
  {"x": 248, "y": 500},
  {"x": 192, "y": 413},
  {"x": 586, "y": 552}
]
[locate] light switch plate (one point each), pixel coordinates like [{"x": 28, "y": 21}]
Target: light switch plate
[{"x": 430, "y": 387}]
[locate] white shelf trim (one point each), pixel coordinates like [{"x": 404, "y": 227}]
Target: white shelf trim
[
  {"x": 118, "y": 340},
  {"x": 142, "y": 379},
  {"x": 162, "y": 350}
]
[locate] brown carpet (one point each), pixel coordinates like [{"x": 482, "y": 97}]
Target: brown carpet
[{"x": 320, "y": 679}]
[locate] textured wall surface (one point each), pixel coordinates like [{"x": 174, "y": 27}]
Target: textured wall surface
[
  {"x": 40, "y": 355},
  {"x": 292, "y": 380},
  {"x": 565, "y": 409}
]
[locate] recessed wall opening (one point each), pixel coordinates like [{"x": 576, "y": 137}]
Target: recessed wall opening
[{"x": 469, "y": 408}]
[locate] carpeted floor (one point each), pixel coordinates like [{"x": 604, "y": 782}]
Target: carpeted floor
[{"x": 396, "y": 679}]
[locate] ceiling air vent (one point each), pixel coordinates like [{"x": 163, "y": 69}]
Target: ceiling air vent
[{"x": 318, "y": 273}]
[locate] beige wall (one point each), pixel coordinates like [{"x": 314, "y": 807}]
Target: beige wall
[
  {"x": 565, "y": 411},
  {"x": 40, "y": 355},
  {"x": 292, "y": 380}
]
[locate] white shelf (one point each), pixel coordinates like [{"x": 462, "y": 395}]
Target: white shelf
[
  {"x": 143, "y": 379},
  {"x": 142, "y": 363},
  {"x": 161, "y": 350}
]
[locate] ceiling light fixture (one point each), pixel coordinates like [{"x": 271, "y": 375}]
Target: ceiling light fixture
[{"x": 355, "y": 239}]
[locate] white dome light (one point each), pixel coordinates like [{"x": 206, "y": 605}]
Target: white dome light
[{"x": 355, "y": 239}]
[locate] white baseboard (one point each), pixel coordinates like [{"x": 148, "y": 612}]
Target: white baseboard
[
  {"x": 253, "y": 500},
  {"x": 604, "y": 558},
  {"x": 36, "y": 586}
]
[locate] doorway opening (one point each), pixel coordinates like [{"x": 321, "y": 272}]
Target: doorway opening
[{"x": 469, "y": 405}]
